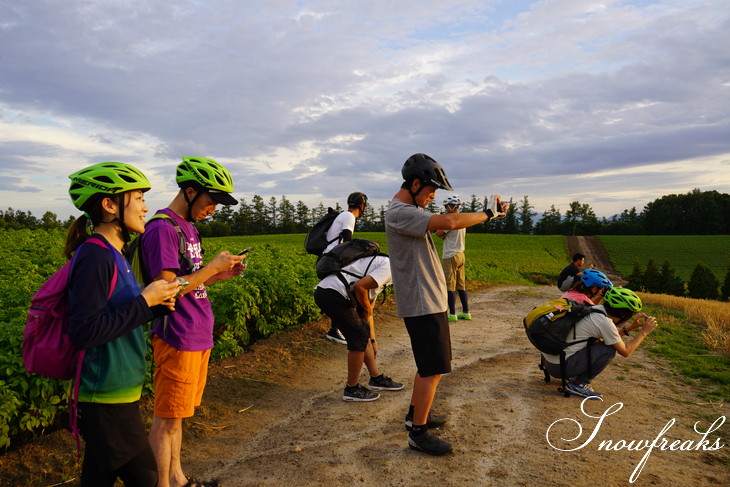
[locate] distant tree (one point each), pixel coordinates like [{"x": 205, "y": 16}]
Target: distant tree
[
  {"x": 725, "y": 291},
  {"x": 433, "y": 207},
  {"x": 580, "y": 219},
  {"x": 671, "y": 283},
  {"x": 302, "y": 217},
  {"x": 242, "y": 219},
  {"x": 636, "y": 278},
  {"x": 549, "y": 223},
  {"x": 526, "y": 215},
  {"x": 703, "y": 284},
  {"x": 473, "y": 205},
  {"x": 223, "y": 214},
  {"x": 652, "y": 279},
  {"x": 287, "y": 216},
  {"x": 272, "y": 213},
  {"x": 260, "y": 219},
  {"x": 510, "y": 220},
  {"x": 49, "y": 221},
  {"x": 694, "y": 213}
]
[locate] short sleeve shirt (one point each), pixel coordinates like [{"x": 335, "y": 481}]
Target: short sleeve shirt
[
  {"x": 593, "y": 325},
  {"x": 377, "y": 267},
  {"x": 454, "y": 242},
  {"x": 344, "y": 221},
  {"x": 418, "y": 278},
  {"x": 190, "y": 326}
]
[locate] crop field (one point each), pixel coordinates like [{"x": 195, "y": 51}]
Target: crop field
[{"x": 684, "y": 252}]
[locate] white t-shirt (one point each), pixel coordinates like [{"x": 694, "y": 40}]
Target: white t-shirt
[
  {"x": 344, "y": 221},
  {"x": 453, "y": 242},
  {"x": 379, "y": 269},
  {"x": 594, "y": 325}
]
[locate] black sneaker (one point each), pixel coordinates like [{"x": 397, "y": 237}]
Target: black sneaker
[
  {"x": 336, "y": 336},
  {"x": 428, "y": 443},
  {"x": 384, "y": 383},
  {"x": 359, "y": 394},
  {"x": 433, "y": 421}
]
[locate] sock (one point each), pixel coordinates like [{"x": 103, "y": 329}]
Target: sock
[
  {"x": 411, "y": 410},
  {"x": 376, "y": 376},
  {"x": 348, "y": 387},
  {"x": 464, "y": 300},
  {"x": 418, "y": 430},
  {"x": 451, "y": 298}
]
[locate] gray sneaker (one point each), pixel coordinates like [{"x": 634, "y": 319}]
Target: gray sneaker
[
  {"x": 384, "y": 383},
  {"x": 359, "y": 394},
  {"x": 428, "y": 443}
]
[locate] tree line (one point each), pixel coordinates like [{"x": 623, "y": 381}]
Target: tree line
[
  {"x": 694, "y": 213},
  {"x": 702, "y": 284}
]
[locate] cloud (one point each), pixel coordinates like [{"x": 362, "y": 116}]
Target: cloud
[{"x": 315, "y": 98}]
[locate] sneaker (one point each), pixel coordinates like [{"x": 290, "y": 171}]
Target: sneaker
[
  {"x": 384, "y": 383},
  {"x": 464, "y": 316},
  {"x": 428, "y": 443},
  {"x": 453, "y": 318},
  {"x": 336, "y": 336},
  {"x": 359, "y": 394},
  {"x": 580, "y": 389},
  {"x": 433, "y": 421}
]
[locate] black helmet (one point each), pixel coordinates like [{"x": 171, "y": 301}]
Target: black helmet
[
  {"x": 425, "y": 168},
  {"x": 356, "y": 199}
]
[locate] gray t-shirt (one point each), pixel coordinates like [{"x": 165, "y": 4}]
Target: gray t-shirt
[{"x": 418, "y": 278}]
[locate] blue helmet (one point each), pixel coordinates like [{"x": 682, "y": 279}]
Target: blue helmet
[{"x": 594, "y": 277}]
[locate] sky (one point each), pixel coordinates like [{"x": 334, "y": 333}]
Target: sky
[{"x": 612, "y": 103}]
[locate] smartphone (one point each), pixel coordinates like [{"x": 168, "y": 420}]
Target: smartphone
[
  {"x": 246, "y": 251},
  {"x": 183, "y": 284}
]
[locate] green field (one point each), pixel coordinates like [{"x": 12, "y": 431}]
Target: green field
[{"x": 684, "y": 252}]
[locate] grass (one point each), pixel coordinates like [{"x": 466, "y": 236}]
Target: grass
[
  {"x": 678, "y": 340},
  {"x": 684, "y": 252}
]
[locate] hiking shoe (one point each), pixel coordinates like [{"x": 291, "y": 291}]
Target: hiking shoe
[
  {"x": 359, "y": 394},
  {"x": 580, "y": 389},
  {"x": 384, "y": 383},
  {"x": 336, "y": 336},
  {"x": 433, "y": 421},
  {"x": 464, "y": 316},
  {"x": 428, "y": 443},
  {"x": 453, "y": 318}
]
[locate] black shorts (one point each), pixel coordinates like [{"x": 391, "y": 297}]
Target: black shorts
[
  {"x": 431, "y": 343},
  {"x": 344, "y": 317}
]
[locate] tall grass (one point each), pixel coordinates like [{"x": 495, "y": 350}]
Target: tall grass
[{"x": 714, "y": 315}]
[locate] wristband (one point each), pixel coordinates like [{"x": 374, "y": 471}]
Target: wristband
[
  {"x": 372, "y": 340},
  {"x": 626, "y": 333},
  {"x": 489, "y": 213}
]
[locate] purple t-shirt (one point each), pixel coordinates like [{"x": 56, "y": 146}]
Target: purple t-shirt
[{"x": 190, "y": 327}]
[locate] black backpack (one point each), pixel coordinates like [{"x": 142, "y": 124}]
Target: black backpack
[
  {"x": 316, "y": 240},
  {"x": 344, "y": 254},
  {"x": 548, "y": 328}
]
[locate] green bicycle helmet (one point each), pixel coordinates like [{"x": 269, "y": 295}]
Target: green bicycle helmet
[
  {"x": 620, "y": 297},
  {"x": 208, "y": 174},
  {"x": 105, "y": 179}
]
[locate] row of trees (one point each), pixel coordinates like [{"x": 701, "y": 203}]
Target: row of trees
[
  {"x": 702, "y": 284},
  {"x": 694, "y": 213}
]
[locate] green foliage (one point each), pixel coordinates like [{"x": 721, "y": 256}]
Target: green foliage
[
  {"x": 652, "y": 279},
  {"x": 670, "y": 281},
  {"x": 725, "y": 290},
  {"x": 683, "y": 251},
  {"x": 680, "y": 343},
  {"x": 636, "y": 278},
  {"x": 703, "y": 284}
]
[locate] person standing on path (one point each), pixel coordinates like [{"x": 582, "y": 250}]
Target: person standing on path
[
  {"x": 340, "y": 231},
  {"x": 453, "y": 262},
  {"x": 420, "y": 287},
  {"x": 182, "y": 342}
]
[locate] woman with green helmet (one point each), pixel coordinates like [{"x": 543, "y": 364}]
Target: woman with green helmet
[
  {"x": 604, "y": 328},
  {"x": 106, "y": 314}
]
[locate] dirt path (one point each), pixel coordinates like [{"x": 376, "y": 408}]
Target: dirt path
[
  {"x": 596, "y": 256},
  {"x": 275, "y": 416}
]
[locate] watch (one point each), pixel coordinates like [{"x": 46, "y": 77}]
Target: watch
[{"x": 626, "y": 332}]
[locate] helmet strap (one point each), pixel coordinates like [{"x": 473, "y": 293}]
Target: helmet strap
[
  {"x": 413, "y": 195},
  {"x": 190, "y": 202}
]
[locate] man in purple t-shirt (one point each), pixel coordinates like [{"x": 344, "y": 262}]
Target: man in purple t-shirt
[{"x": 182, "y": 341}]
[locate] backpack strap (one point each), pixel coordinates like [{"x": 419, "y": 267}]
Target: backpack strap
[{"x": 182, "y": 250}]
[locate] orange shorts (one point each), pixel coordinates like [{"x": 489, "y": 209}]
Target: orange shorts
[{"x": 179, "y": 379}]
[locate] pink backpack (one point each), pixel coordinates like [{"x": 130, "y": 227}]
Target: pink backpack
[{"x": 47, "y": 348}]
